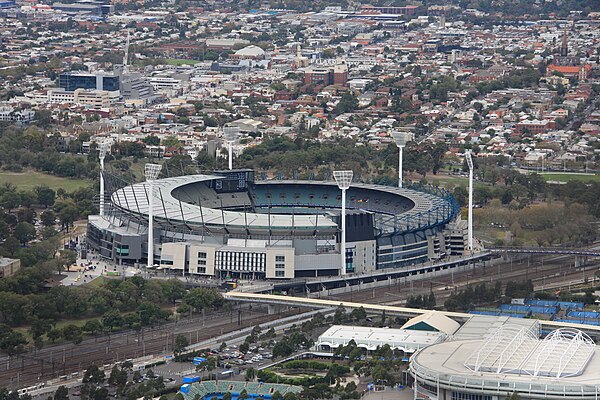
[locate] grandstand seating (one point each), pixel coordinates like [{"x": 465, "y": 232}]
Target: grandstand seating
[
  {"x": 584, "y": 315},
  {"x": 498, "y": 313},
  {"x": 564, "y": 305},
  {"x": 329, "y": 197},
  {"x": 523, "y": 308},
  {"x": 200, "y": 194},
  {"x": 579, "y": 321}
]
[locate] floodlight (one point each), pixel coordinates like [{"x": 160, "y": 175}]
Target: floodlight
[
  {"x": 231, "y": 133},
  {"x": 401, "y": 138},
  {"x": 469, "y": 159},
  {"x": 103, "y": 149},
  {"x": 343, "y": 178},
  {"x": 151, "y": 171}
]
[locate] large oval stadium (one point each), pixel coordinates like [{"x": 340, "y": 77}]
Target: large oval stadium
[{"x": 228, "y": 225}]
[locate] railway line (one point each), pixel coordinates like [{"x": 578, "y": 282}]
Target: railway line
[
  {"x": 66, "y": 359},
  {"x": 56, "y": 361}
]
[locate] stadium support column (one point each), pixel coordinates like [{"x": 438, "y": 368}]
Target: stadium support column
[
  {"x": 400, "y": 138},
  {"x": 230, "y": 133},
  {"x": 470, "y": 210},
  {"x": 151, "y": 172},
  {"x": 102, "y": 149},
  {"x": 343, "y": 180}
]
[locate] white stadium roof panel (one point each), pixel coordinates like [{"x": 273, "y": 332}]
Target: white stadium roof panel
[{"x": 517, "y": 350}]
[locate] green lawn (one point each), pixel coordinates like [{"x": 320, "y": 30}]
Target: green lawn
[
  {"x": 571, "y": 177},
  {"x": 28, "y": 180},
  {"x": 178, "y": 61}
]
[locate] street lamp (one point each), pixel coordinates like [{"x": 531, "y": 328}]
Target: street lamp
[
  {"x": 102, "y": 149},
  {"x": 400, "y": 138},
  {"x": 151, "y": 172},
  {"x": 469, "y": 159},
  {"x": 230, "y": 133},
  {"x": 343, "y": 180}
]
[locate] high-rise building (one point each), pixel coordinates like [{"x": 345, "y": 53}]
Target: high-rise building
[{"x": 71, "y": 81}]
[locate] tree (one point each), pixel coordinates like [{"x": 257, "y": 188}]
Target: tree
[
  {"x": 227, "y": 396},
  {"x": 62, "y": 393},
  {"x": 67, "y": 257},
  {"x": 10, "y": 200},
  {"x": 45, "y": 195},
  {"x": 67, "y": 216},
  {"x": 24, "y": 232},
  {"x": 93, "y": 375},
  {"x": 348, "y": 103},
  {"x": 250, "y": 374},
  {"x": 11, "y": 245},
  {"x": 181, "y": 342},
  {"x": 48, "y": 217},
  {"x": 92, "y": 326}
]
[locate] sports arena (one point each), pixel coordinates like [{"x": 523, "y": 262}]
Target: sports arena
[
  {"x": 564, "y": 364},
  {"x": 229, "y": 225}
]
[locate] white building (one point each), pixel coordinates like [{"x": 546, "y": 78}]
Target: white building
[{"x": 368, "y": 338}]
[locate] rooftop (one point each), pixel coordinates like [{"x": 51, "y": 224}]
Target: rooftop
[{"x": 370, "y": 338}]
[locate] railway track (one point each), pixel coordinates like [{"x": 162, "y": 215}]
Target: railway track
[{"x": 55, "y": 361}]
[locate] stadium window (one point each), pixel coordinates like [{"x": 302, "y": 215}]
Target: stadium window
[
  {"x": 201, "y": 254},
  {"x": 280, "y": 274}
]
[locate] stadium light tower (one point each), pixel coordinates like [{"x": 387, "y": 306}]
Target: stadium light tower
[
  {"x": 400, "y": 138},
  {"x": 470, "y": 221},
  {"x": 230, "y": 133},
  {"x": 343, "y": 180},
  {"x": 102, "y": 149},
  {"x": 151, "y": 172}
]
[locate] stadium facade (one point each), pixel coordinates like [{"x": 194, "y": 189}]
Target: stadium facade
[{"x": 229, "y": 225}]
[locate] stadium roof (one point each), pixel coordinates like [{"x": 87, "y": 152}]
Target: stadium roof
[
  {"x": 134, "y": 198},
  {"x": 517, "y": 350},
  {"x": 443, "y": 365},
  {"x": 167, "y": 208},
  {"x": 482, "y": 326}
]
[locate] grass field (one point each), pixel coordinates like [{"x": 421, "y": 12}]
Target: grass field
[
  {"x": 571, "y": 177},
  {"x": 178, "y": 61},
  {"x": 28, "y": 180}
]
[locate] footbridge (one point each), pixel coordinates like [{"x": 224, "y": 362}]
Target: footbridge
[
  {"x": 592, "y": 252},
  {"x": 406, "y": 312}
]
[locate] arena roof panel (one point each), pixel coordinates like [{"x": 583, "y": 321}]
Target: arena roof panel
[
  {"x": 134, "y": 198},
  {"x": 517, "y": 350}
]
